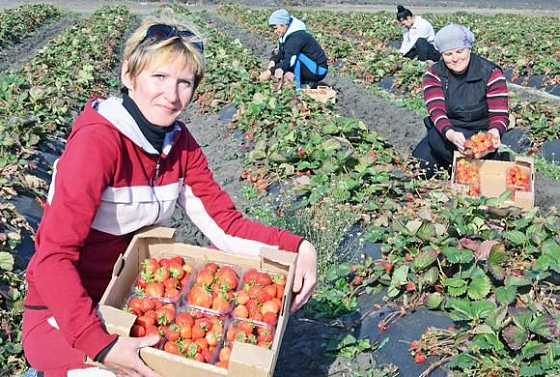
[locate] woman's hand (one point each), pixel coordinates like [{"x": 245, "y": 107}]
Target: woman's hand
[
  {"x": 497, "y": 140},
  {"x": 305, "y": 275},
  {"x": 123, "y": 359},
  {"x": 457, "y": 138},
  {"x": 265, "y": 75},
  {"x": 279, "y": 73}
]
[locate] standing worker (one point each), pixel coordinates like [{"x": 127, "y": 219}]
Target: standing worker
[
  {"x": 464, "y": 94},
  {"x": 418, "y": 36},
  {"x": 299, "y": 58}
]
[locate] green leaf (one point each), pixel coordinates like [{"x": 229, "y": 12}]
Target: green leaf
[
  {"x": 479, "y": 287},
  {"x": 399, "y": 276},
  {"x": 462, "y": 361},
  {"x": 435, "y": 300},
  {"x": 516, "y": 237},
  {"x": 506, "y": 294},
  {"x": 496, "y": 319},
  {"x": 546, "y": 326},
  {"x": 413, "y": 226},
  {"x": 521, "y": 316},
  {"x": 6, "y": 261},
  {"x": 496, "y": 257},
  {"x": 427, "y": 231},
  {"x": 455, "y": 255},
  {"x": 431, "y": 276},
  {"x": 424, "y": 259},
  {"x": 530, "y": 370},
  {"x": 515, "y": 336},
  {"x": 517, "y": 281},
  {"x": 532, "y": 348},
  {"x": 338, "y": 271}
]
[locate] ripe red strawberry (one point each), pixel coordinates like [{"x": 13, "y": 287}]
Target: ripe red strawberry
[{"x": 419, "y": 358}]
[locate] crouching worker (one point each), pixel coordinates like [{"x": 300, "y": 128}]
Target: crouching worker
[
  {"x": 299, "y": 57},
  {"x": 141, "y": 161},
  {"x": 464, "y": 94},
  {"x": 418, "y": 36}
]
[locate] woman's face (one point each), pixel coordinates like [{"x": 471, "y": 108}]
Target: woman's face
[
  {"x": 161, "y": 92},
  {"x": 457, "y": 60},
  {"x": 280, "y": 29},
  {"x": 407, "y": 22}
]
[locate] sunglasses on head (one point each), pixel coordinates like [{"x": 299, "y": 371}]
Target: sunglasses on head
[{"x": 161, "y": 32}]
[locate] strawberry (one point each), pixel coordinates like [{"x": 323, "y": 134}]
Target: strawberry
[{"x": 419, "y": 358}]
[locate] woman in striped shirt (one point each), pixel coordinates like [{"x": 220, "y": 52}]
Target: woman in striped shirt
[{"x": 464, "y": 94}]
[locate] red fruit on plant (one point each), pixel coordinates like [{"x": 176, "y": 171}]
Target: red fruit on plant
[
  {"x": 388, "y": 267},
  {"x": 301, "y": 151},
  {"x": 414, "y": 345},
  {"x": 410, "y": 286},
  {"x": 419, "y": 358},
  {"x": 409, "y": 196}
]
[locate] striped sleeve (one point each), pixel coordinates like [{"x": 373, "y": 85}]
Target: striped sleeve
[
  {"x": 497, "y": 100},
  {"x": 435, "y": 101}
]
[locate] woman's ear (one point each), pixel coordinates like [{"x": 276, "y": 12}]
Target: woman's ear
[{"x": 125, "y": 76}]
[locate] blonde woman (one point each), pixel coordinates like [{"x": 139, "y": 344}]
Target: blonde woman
[{"x": 128, "y": 161}]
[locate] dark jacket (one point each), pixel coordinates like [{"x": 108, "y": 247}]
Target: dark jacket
[
  {"x": 476, "y": 100},
  {"x": 297, "y": 40}
]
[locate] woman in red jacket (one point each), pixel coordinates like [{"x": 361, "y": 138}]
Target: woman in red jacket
[
  {"x": 128, "y": 161},
  {"x": 464, "y": 94}
]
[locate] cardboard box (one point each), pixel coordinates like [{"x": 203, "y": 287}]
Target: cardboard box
[
  {"x": 493, "y": 179},
  {"x": 322, "y": 94},
  {"x": 246, "y": 359}
]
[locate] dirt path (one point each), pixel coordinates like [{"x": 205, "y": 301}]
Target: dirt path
[{"x": 13, "y": 57}]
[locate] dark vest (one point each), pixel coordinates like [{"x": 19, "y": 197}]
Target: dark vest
[{"x": 465, "y": 97}]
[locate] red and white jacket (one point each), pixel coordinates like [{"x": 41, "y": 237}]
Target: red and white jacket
[{"x": 109, "y": 183}]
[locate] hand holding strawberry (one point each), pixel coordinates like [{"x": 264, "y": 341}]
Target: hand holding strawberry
[
  {"x": 457, "y": 138},
  {"x": 482, "y": 143}
]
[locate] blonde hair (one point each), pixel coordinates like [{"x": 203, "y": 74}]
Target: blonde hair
[{"x": 140, "y": 51}]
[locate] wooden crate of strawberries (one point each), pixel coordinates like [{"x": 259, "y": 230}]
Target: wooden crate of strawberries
[{"x": 217, "y": 314}]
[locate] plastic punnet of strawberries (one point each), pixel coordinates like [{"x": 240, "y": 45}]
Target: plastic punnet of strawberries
[
  {"x": 153, "y": 316},
  {"x": 244, "y": 331},
  {"x": 467, "y": 173},
  {"x": 480, "y": 145},
  {"x": 260, "y": 296},
  {"x": 194, "y": 335},
  {"x": 214, "y": 287},
  {"x": 165, "y": 277}
]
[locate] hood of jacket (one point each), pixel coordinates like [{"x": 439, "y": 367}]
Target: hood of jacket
[
  {"x": 295, "y": 25},
  {"x": 112, "y": 113}
]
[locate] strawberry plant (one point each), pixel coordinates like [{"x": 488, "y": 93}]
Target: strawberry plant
[{"x": 18, "y": 23}]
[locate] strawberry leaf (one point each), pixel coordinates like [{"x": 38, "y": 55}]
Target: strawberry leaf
[
  {"x": 455, "y": 255},
  {"x": 515, "y": 336},
  {"x": 532, "y": 348},
  {"x": 435, "y": 300},
  {"x": 515, "y": 237},
  {"x": 6, "y": 261},
  {"x": 496, "y": 257},
  {"x": 521, "y": 316},
  {"x": 424, "y": 259},
  {"x": 479, "y": 287},
  {"x": 506, "y": 294},
  {"x": 545, "y": 326}
]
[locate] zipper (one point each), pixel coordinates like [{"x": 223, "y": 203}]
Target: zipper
[{"x": 155, "y": 177}]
